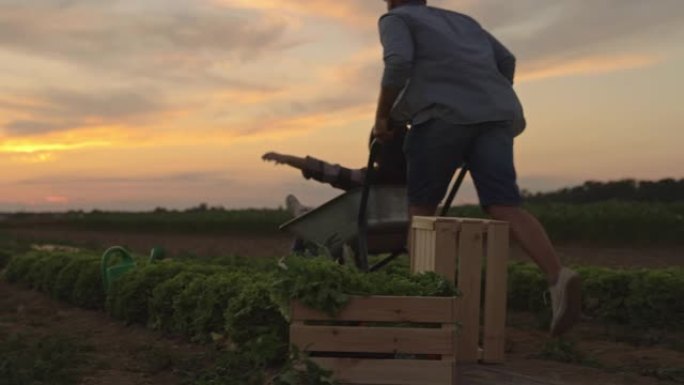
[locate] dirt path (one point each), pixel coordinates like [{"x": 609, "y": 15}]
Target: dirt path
[
  {"x": 264, "y": 246},
  {"x": 117, "y": 355},
  {"x": 132, "y": 355}
]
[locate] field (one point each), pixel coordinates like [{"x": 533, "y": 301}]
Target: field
[{"x": 616, "y": 344}]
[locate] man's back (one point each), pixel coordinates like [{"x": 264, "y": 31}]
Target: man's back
[{"x": 459, "y": 72}]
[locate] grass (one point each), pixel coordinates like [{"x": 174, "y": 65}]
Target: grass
[
  {"x": 198, "y": 221},
  {"x": 604, "y": 223}
]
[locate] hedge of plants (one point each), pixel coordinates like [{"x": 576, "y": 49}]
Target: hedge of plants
[
  {"x": 612, "y": 223},
  {"x": 238, "y": 301},
  {"x": 617, "y": 223},
  {"x": 243, "y": 302},
  {"x": 190, "y": 297},
  {"x": 639, "y": 298}
]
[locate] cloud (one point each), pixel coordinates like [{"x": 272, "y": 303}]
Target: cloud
[
  {"x": 309, "y": 121},
  {"x": 33, "y": 147},
  {"x": 586, "y": 66},
  {"x": 32, "y": 127},
  {"x": 145, "y": 42},
  {"x": 194, "y": 177},
  {"x": 247, "y": 67},
  {"x": 56, "y": 110},
  {"x": 57, "y": 199},
  {"x": 540, "y": 30},
  {"x": 114, "y": 104},
  {"x": 356, "y": 12},
  {"x": 558, "y": 38}
]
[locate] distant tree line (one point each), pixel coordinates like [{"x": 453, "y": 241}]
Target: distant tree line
[{"x": 665, "y": 190}]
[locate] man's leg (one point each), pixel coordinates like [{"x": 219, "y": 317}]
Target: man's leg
[
  {"x": 491, "y": 163},
  {"x": 531, "y": 236},
  {"x": 433, "y": 151}
]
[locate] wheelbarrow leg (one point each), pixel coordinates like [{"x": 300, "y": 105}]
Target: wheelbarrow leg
[
  {"x": 387, "y": 260},
  {"x": 452, "y": 194}
]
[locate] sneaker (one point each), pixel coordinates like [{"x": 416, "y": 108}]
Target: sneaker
[
  {"x": 294, "y": 207},
  {"x": 566, "y": 302}
]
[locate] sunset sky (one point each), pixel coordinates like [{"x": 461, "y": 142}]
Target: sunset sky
[{"x": 135, "y": 104}]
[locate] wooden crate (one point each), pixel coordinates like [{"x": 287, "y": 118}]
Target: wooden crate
[
  {"x": 458, "y": 249},
  {"x": 382, "y": 340}
]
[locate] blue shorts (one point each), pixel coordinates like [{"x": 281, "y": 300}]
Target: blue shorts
[{"x": 436, "y": 149}]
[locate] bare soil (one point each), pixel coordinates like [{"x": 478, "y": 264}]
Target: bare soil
[
  {"x": 120, "y": 354},
  {"x": 278, "y": 245}
]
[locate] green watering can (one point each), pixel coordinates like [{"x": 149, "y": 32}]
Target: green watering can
[{"x": 110, "y": 273}]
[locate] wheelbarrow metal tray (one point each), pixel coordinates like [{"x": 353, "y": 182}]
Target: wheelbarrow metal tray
[{"x": 336, "y": 222}]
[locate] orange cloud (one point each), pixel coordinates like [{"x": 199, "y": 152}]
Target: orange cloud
[
  {"x": 305, "y": 123},
  {"x": 346, "y": 11},
  {"x": 242, "y": 97},
  {"x": 586, "y": 66},
  {"x": 43, "y": 147},
  {"x": 35, "y": 157},
  {"x": 34, "y": 146}
]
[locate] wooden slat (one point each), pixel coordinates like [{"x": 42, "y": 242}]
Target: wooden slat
[
  {"x": 451, "y": 357},
  {"x": 495, "y": 293},
  {"x": 416, "y": 252},
  {"x": 413, "y": 239},
  {"x": 469, "y": 276},
  {"x": 453, "y": 223},
  {"x": 446, "y": 243},
  {"x": 484, "y": 222},
  {"x": 386, "y": 309},
  {"x": 430, "y": 253},
  {"x": 372, "y": 339},
  {"x": 422, "y": 252},
  {"x": 390, "y": 372},
  {"x": 424, "y": 223}
]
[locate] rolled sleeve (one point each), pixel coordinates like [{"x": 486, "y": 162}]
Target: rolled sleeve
[{"x": 397, "y": 44}]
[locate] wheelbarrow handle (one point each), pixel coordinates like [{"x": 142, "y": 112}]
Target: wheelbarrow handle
[{"x": 362, "y": 254}]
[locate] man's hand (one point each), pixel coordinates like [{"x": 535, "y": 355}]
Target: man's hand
[
  {"x": 382, "y": 130},
  {"x": 274, "y": 157}
]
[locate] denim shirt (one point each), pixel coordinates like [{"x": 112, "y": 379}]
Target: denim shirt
[{"x": 448, "y": 67}]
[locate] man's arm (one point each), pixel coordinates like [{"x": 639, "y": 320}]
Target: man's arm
[
  {"x": 398, "y": 49},
  {"x": 333, "y": 174},
  {"x": 290, "y": 160},
  {"x": 505, "y": 60}
]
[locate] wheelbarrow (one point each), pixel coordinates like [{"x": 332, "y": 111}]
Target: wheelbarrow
[{"x": 371, "y": 220}]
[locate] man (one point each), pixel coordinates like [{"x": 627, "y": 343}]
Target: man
[{"x": 454, "y": 82}]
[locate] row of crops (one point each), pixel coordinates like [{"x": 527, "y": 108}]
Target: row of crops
[
  {"x": 633, "y": 223},
  {"x": 244, "y": 301},
  {"x": 241, "y": 303},
  {"x": 610, "y": 223}
]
